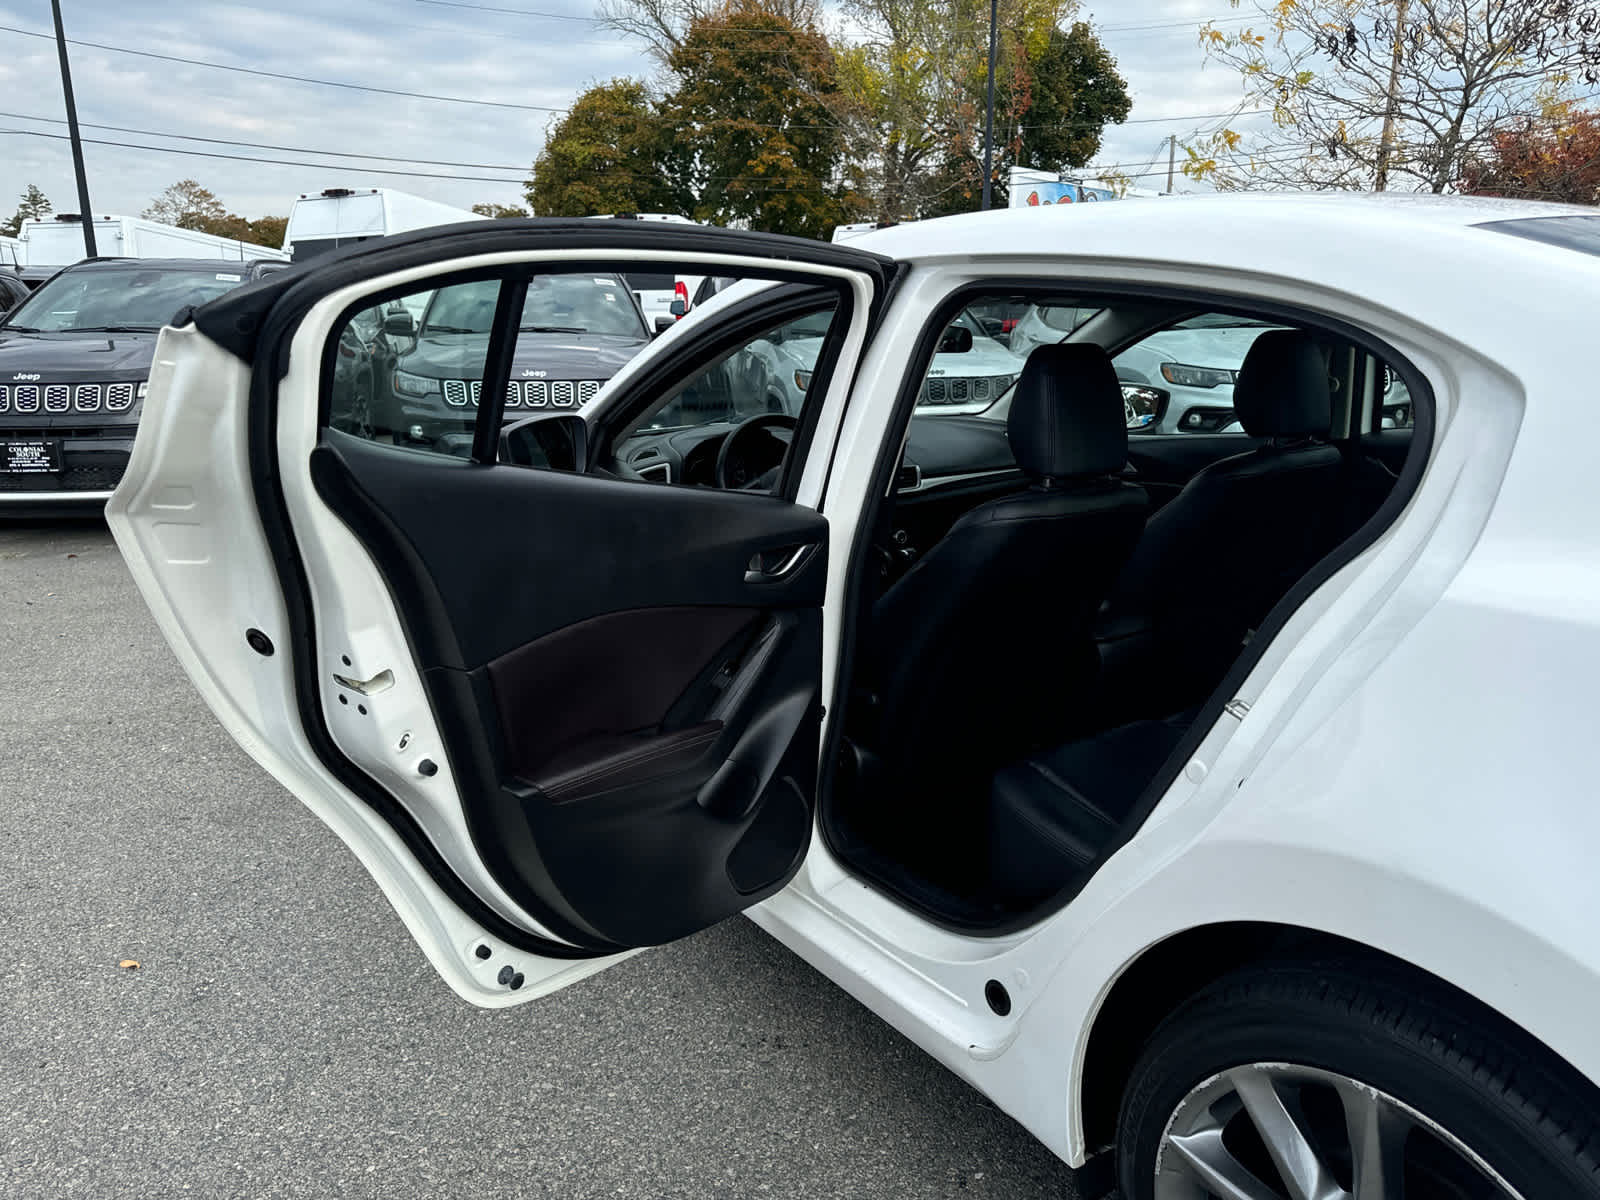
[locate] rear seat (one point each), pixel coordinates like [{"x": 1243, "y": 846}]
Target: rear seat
[{"x": 1052, "y": 813}]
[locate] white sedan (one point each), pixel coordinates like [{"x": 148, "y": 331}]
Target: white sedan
[{"x": 1219, "y": 806}]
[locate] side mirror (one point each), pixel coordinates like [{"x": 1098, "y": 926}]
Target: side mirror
[
  {"x": 559, "y": 441},
  {"x": 678, "y": 308},
  {"x": 400, "y": 324},
  {"x": 1144, "y": 406},
  {"x": 665, "y": 323},
  {"x": 956, "y": 340}
]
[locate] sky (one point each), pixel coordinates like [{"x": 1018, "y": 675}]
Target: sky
[{"x": 529, "y": 66}]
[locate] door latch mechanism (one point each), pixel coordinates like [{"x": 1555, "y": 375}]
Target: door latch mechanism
[{"x": 381, "y": 682}]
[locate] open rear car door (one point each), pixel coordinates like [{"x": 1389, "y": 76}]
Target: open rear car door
[{"x": 559, "y": 712}]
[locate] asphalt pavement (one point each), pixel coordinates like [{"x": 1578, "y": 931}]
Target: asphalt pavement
[{"x": 282, "y": 1035}]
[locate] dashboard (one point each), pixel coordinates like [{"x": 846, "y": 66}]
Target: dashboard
[{"x": 689, "y": 455}]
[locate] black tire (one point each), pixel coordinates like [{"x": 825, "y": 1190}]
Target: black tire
[{"x": 1524, "y": 1112}]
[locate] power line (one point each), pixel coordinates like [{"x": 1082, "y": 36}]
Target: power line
[
  {"x": 189, "y": 137},
  {"x": 159, "y": 133},
  {"x": 282, "y": 162},
  {"x": 518, "y": 12},
  {"x": 358, "y": 87},
  {"x": 1192, "y": 23}
]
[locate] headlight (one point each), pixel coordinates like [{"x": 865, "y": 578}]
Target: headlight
[
  {"x": 1195, "y": 377},
  {"x": 143, "y": 388},
  {"x": 802, "y": 380},
  {"x": 415, "y": 385}
]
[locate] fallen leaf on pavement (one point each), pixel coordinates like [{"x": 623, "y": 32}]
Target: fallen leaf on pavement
[{"x": 129, "y": 964}]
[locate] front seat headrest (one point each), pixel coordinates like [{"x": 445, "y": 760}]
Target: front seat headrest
[
  {"x": 1067, "y": 416},
  {"x": 1282, "y": 388}
]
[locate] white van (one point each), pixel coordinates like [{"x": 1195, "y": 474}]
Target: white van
[
  {"x": 57, "y": 241},
  {"x": 848, "y": 233},
  {"x": 334, "y": 217}
]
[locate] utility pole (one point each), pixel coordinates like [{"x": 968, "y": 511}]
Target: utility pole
[
  {"x": 86, "y": 214},
  {"x": 1172, "y": 158},
  {"x": 988, "y": 124},
  {"x": 1382, "y": 180}
]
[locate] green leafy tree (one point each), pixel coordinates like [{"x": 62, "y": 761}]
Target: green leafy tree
[
  {"x": 1403, "y": 93},
  {"x": 753, "y": 134},
  {"x": 1051, "y": 110},
  {"x": 604, "y": 156},
  {"x": 34, "y": 204},
  {"x": 1074, "y": 92}
]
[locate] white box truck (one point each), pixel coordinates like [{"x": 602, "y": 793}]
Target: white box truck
[
  {"x": 57, "y": 241},
  {"x": 334, "y": 217},
  {"x": 13, "y": 252}
]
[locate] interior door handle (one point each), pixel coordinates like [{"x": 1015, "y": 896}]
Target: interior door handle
[{"x": 769, "y": 566}]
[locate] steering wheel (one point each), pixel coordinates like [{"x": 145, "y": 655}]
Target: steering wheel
[{"x": 728, "y": 458}]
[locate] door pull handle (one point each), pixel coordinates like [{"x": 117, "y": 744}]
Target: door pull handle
[{"x": 769, "y": 566}]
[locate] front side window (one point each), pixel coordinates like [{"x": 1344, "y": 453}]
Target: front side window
[{"x": 770, "y": 374}]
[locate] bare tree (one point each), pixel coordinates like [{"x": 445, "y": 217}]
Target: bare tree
[
  {"x": 1368, "y": 94},
  {"x": 662, "y": 24}
]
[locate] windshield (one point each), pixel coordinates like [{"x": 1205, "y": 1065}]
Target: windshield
[
  {"x": 555, "y": 304},
  {"x": 119, "y": 298}
]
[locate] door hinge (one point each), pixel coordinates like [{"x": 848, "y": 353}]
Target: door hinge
[{"x": 1236, "y": 708}]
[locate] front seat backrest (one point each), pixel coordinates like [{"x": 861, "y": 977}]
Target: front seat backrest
[
  {"x": 988, "y": 636},
  {"x": 1225, "y": 550}
]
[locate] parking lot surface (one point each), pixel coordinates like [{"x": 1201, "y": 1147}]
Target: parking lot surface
[{"x": 282, "y": 1035}]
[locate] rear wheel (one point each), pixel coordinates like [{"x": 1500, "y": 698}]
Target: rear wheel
[{"x": 1311, "y": 1081}]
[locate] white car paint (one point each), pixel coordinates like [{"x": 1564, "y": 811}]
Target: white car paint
[{"x": 1409, "y": 766}]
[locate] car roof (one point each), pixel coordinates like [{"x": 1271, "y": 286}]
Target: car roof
[
  {"x": 1445, "y": 263},
  {"x": 1120, "y": 227}
]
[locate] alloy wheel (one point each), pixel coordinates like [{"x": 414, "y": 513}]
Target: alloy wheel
[{"x": 1275, "y": 1131}]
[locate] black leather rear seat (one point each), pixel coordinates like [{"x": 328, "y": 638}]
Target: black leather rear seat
[{"x": 1052, "y": 813}]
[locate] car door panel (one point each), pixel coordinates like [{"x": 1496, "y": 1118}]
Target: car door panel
[
  {"x": 501, "y": 557},
  {"x": 498, "y": 575}
]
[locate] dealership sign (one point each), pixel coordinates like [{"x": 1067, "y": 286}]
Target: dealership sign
[{"x": 1032, "y": 195}]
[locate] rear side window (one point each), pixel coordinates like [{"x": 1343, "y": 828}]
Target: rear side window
[
  {"x": 1180, "y": 379},
  {"x": 416, "y": 370}
]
